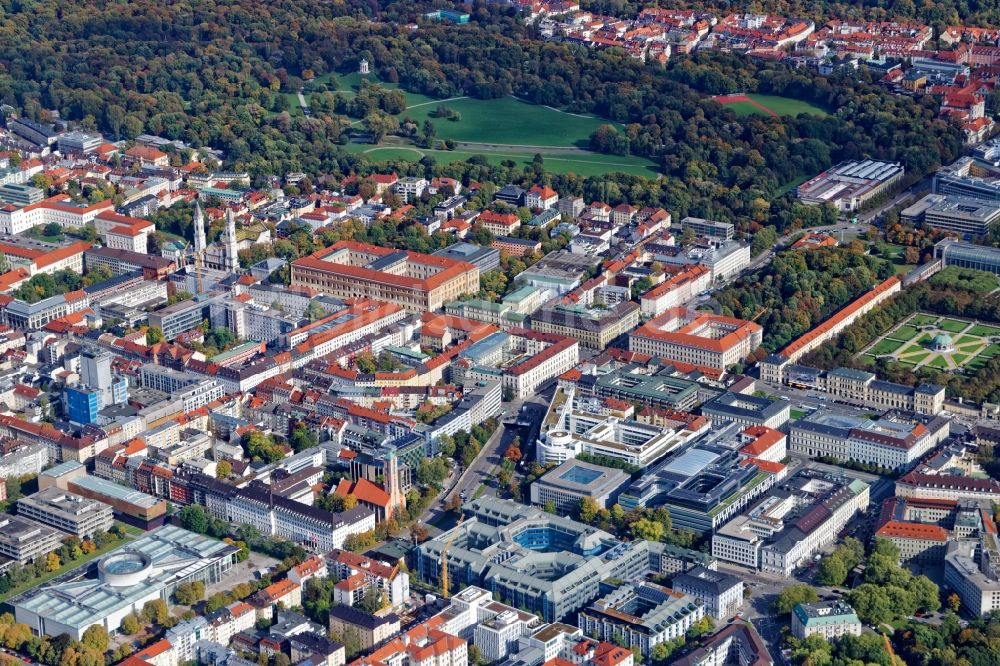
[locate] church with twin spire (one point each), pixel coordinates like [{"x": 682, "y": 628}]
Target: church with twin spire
[{"x": 221, "y": 255}]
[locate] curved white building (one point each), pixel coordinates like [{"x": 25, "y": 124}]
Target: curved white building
[{"x": 151, "y": 567}]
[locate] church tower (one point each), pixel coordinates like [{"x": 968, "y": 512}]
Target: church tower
[
  {"x": 232, "y": 262},
  {"x": 199, "y": 230}
]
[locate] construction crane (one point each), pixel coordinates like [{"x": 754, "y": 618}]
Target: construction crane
[{"x": 444, "y": 559}]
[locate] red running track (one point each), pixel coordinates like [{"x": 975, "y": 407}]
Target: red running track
[{"x": 729, "y": 99}]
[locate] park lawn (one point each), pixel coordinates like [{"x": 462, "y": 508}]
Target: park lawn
[
  {"x": 866, "y": 360},
  {"x": 926, "y": 337},
  {"x": 902, "y": 269},
  {"x": 959, "y": 358},
  {"x": 964, "y": 339},
  {"x": 581, "y": 164},
  {"x": 509, "y": 121},
  {"x": 786, "y": 106},
  {"x": 908, "y": 362},
  {"x": 983, "y": 330},
  {"x": 886, "y": 346},
  {"x": 969, "y": 347},
  {"x": 990, "y": 351},
  {"x": 952, "y": 325},
  {"x": 917, "y": 357},
  {"x": 904, "y": 333},
  {"x": 922, "y": 320},
  {"x": 938, "y": 362},
  {"x": 976, "y": 364}
]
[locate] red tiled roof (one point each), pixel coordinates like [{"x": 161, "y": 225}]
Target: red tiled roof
[
  {"x": 847, "y": 311},
  {"x": 908, "y": 530},
  {"x": 685, "y": 336}
]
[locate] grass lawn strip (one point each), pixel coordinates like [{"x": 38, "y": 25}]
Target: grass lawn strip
[
  {"x": 983, "y": 330},
  {"x": 952, "y": 325}
]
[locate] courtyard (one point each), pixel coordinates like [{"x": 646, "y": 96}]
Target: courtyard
[{"x": 934, "y": 341}]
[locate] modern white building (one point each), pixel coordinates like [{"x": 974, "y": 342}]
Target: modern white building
[
  {"x": 792, "y": 523},
  {"x": 575, "y": 425},
  {"x": 150, "y": 567}
]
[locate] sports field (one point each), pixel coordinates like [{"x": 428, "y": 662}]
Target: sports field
[
  {"x": 918, "y": 343},
  {"x": 773, "y": 105},
  {"x": 582, "y": 163}
]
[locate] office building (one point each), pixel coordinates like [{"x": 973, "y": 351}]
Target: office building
[
  {"x": 972, "y": 570},
  {"x": 539, "y": 357},
  {"x": 24, "y": 540},
  {"x": 417, "y": 282},
  {"x": 721, "y": 593},
  {"x": 180, "y": 317},
  {"x": 707, "y": 482},
  {"x": 560, "y": 272},
  {"x": 702, "y": 227},
  {"x": 66, "y": 512},
  {"x": 573, "y": 480},
  {"x": 723, "y": 258},
  {"x": 641, "y": 615},
  {"x": 791, "y": 523},
  {"x": 82, "y": 404},
  {"x": 747, "y": 410},
  {"x": 147, "y": 568},
  {"x": 80, "y": 142},
  {"x": 894, "y": 442},
  {"x": 969, "y": 218},
  {"x": 921, "y": 528},
  {"x": 41, "y": 135},
  {"x": 605, "y": 427},
  {"x": 594, "y": 327},
  {"x": 484, "y": 258},
  {"x": 123, "y": 261},
  {"x": 20, "y": 194},
  {"x": 969, "y": 176},
  {"x": 850, "y": 185},
  {"x": 662, "y": 388},
  {"x": 700, "y": 339},
  {"x": 829, "y": 619},
  {"x": 550, "y": 566}
]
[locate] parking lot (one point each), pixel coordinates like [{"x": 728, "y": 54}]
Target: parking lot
[{"x": 241, "y": 573}]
